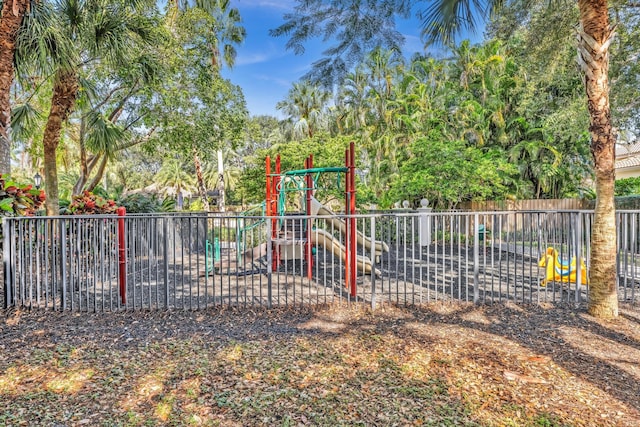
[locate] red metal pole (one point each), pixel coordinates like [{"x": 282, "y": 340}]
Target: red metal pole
[
  {"x": 347, "y": 204},
  {"x": 309, "y": 191},
  {"x": 268, "y": 195},
  {"x": 275, "y": 194},
  {"x": 352, "y": 211},
  {"x": 122, "y": 260}
]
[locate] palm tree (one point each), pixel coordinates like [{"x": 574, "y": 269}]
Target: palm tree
[
  {"x": 444, "y": 18},
  {"x": 353, "y": 98},
  {"x": 306, "y": 107},
  {"x": 13, "y": 12},
  {"x": 356, "y": 30},
  {"x": 172, "y": 174},
  {"x": 22, "y": 23},
  {"x": 226, "y": 31},
  {"x": 92, "y": 35}
]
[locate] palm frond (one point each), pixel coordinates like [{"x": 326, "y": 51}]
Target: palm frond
[
  {"x": 102, "y": 136},
  {"x": 24, "y": 121}
]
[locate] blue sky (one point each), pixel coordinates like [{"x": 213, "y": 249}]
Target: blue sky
[{"x": 265, "y": 69}]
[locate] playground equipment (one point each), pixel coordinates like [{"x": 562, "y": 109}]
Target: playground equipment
[
  {"x": 559, "y": 270},
  {"x": 295, "y": 236},
  {"x": 289, "y": 243},
  {"x": 213, "y": 254}
]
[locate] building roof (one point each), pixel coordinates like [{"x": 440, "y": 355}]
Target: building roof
[
  {"x": 630, "y": 149},
  {"x": 628, "y": 155}
]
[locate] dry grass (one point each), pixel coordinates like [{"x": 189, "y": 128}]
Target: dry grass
[{"x": 443, "y": 365}]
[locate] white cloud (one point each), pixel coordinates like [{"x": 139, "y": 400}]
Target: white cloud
[
  {"x": 266, "y": 55},
  {"x": 267, "y": 78},
  {"x": 249, "y": 59}
]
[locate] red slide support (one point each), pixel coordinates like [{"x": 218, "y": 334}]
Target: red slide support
[
  {"x": 122, "y": 260},
  {"x": 308, "y": 164},
  {"x": 272, "y": 204},
  {"x": 350, "y": 220}
]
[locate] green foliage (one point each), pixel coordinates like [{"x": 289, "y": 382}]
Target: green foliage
[
  {"x": 19, "y": 200},
  {"x": 628, "y": 187},
  {"x": 356, "y": 28},
  {"x": 448, "y": 173},
  {"x": 146, "y": 203},
  {"x": 327, "y": 152}
]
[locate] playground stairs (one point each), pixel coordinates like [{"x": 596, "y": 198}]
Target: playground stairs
[{"x": 292, "y": 236}]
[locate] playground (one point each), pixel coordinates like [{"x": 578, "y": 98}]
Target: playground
[{"x": 296, "y": 250}]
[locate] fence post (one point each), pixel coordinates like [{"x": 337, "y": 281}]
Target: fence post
[
  {"x": 122, "y": 262},
  {"x": 424, "y": 223},
  {"x": 476, "y": 259},
  {"x": 6, "y": 258},
  {"x": 373, "y": 262},
  {"x": 578, "y": 242},
  {"x": 165, "y": 251},
  {"x": 269, "y": 262}
]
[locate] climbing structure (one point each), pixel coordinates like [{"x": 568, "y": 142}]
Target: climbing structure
[{"x": 305, "y": 180}]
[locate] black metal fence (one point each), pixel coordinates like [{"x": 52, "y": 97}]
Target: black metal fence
[{"x": 192, "y": 261}]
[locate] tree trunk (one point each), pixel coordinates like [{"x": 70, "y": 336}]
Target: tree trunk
[
  {"x": 65, "y": 89},
  {"x": 594, "y": 38},
  {"x": 12, "y": 13},
  {"x": 202, "y": 192},
  {"x": 99, "y": 173},
  {"x": 84, "y": 173},
  {"x": 221, "y": 181}
]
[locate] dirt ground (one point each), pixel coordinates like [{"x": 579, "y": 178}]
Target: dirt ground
[{"x": 439, "y": 364}]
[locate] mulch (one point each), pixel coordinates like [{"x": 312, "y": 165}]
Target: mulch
[{"x": 504, "y": 364}]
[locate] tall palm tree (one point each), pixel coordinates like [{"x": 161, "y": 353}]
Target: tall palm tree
[
  {"x": 306, "y": 107},
  {"x": 444, "y": 19},
  {"x": 13, "y": 12},
  {"x": 93, "y": 35},
  {"x": 26, "y": 23},
  {"x": 353, "y": 98}
]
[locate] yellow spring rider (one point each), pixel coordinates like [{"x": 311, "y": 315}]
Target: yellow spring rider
[{"x": 559, "y": 270}]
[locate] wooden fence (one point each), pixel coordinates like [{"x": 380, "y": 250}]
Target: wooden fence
[{"x": 527, "y": 205}]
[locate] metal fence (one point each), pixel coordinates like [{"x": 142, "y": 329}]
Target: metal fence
[{"x": 192, "y": 261}]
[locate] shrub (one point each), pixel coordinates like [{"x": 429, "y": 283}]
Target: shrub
[
  {"x": 88, "y": 203},
  {"x": 19, "y": 200},
  {"x": 146, "y": 203}
]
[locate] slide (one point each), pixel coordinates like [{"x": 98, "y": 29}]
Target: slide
[
  {"x": 319, "y": 209},
  {"x": 325, "y": 239}
]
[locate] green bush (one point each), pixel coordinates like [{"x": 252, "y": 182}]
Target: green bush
[
  {"x": 146, "y": 203},
  {"x": 627, "y": 186}
]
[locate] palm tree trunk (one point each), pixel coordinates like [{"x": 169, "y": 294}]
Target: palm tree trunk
[
  {"x": 594, "y": 37},
  {"x": 84, "y": 173},
  {"x": 202, "y": 192},
  {"x": 12, "y": 13},
  {"x": 65, "y": 89}
]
